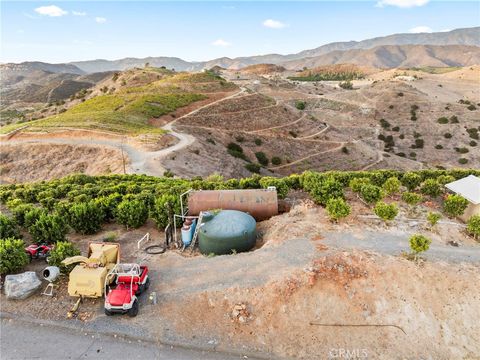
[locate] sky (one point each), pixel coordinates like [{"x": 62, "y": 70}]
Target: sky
[{"x": 64, "y": 31}]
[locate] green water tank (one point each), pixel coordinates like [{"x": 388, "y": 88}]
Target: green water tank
[{"x": 226, "y": 231}]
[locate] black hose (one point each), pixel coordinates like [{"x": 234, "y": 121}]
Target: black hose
[{"x": 151, "y": 249}]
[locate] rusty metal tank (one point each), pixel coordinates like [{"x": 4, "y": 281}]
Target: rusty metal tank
[{"x": 262, "y": 204}]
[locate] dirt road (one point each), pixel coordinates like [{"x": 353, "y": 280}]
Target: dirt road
[{"x": 140, "y": 161}]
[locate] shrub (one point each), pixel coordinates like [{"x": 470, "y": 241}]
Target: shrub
[
  {"x": 391, "y": 185},
  {"x": 300, "y": 105},
  {"x": 254, "y": 168},
  {"x": 473, "y": 133},
  {"x": 371, "y": 193},
  {"x": 239, "y": 138},
  {"x": 386, "y": 211},
  {"x": 384, "y": 124},
  {"x": 61, "y": 251},
  {"x": 462, "y": 161},
  {"x": 411, "y": 198},
  {"x": 132, "y": 213},
  {"x": 438, "y": 147},
  {"x": 473, "y": 226},
  {"x": 86, "y": 218},
  {"x": 454, "y": 119},
  {"x": 430, "y": 187},
  {"x": 33, "y": 215},
  {"x": 48, "y": 229},
  {"x": 276, "y": 160},
  {"x": 20, "y": 211},
  {"x": 164, "y": 208},
  {"x": 337, "y": 208},
  {"x": 471, "y": 107},
  {"x": 326, "y": 189},
  {"x": 12, "y": 255},
  {"x": 455, "y": 205},
  {"x": 356, "y": 183},
  {"x": 445, "y": 179},
  {"x": 447, "y": 135},
  {"x": 419, "y": 243},
  {"x": 236, "y": 151},
  {"x": 347, "y": 85},
  {"x": 472, "y": 143},
  {"x": 411, "y": 180},
  {"x": 280, "y": 184},
  {"x": 433, "y": 218},
  {"x": 262, "y": 158},
  {"x": 442, "y": 120},
  {"x": 8, "y": 227},
  {"x": 258, "y": 142}
]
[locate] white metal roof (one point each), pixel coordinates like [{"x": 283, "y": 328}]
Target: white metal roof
[{"x": 468, "y": 187}]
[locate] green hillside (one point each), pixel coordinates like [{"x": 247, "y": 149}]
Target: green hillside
[{"x": 127, "y": 109}]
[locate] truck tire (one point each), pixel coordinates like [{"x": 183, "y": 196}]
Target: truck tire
[
  {"x": 108, "y": 312},
  {"x": 134, "y": 310}
]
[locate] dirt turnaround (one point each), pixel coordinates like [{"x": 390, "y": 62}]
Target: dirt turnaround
[{"x": 310, "y": 290}]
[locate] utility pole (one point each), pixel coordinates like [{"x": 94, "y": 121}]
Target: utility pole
[{"x": 123, "y": 157}]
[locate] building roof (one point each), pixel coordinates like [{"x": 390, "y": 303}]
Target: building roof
[{"x": 468, "y": 187}]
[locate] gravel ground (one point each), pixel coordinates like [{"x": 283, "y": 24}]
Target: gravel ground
[{"x": 393, "y": 243}]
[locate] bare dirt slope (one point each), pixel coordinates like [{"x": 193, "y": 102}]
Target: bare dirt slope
[{"x": 34, "y": 162}]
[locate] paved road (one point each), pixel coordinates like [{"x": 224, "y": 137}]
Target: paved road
[{"x": 26, "y": 341}]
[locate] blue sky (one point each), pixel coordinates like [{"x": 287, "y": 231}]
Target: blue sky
[{"x": 62, "y": 31}]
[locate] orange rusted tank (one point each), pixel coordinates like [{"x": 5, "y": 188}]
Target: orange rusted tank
[{"x": 262, "y": 204}]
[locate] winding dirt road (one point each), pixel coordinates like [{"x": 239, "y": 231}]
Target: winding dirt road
[{"x": 141, "y": 161}]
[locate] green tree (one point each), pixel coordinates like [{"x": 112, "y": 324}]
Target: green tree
[
  {"x": 433, "y": 218},
  {"x": 411, "y": 180},
  {"x": 386, "y": 211},
  {"x": 165, "y": 206},
  {"x": 411, "y": 198},
  {"x": 280, "y": 184},
  {"x": 48, "y": 229},
  {"x": 473, "y": 226},
  {"x": 356, "y": 183},
  {"x": 32, "y": 215},
  {"x": 419, "y": 243},
  {"x": 371, "y": 193},
  {"x": 61, "y": 251},
  {"x": 455, "y": 205},
  {"x": 337, "y": 208},
  {"x": 391, "y": 185},
  {"x": 86, "y": 218},
  {"x": 8, "y": 227},
  {"x": 12, "y": 255},
  {"x": 326, "y": 189},
  {"x": 262, "y": 158},
  {"x": 430, "y": 187},
  {"x": 132, "y": 213}
]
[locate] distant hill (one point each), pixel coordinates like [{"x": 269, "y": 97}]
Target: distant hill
[
  {"x": 468, "y": 37},
  {"x": 389, "y": 56},
  {"x": 32, "y": 82}
]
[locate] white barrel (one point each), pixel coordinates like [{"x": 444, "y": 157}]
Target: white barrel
[{"x": 50, "y": 273}]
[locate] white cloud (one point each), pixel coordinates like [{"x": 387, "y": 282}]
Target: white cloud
[
  {"x": 79, "y": 13},
  {"x": 100, "y": 20},
  {"x": 221, "y": 42},
  {"x": 51, "y": 10},
  {"x": 420, "y": 29},
  {"x": 274, "y": 24},
  {"x": 402, "y": 3}
]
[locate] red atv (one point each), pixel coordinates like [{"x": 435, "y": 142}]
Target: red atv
[
  {"x": 38, "y": 251},
  {"x": 129, "y": 280}
]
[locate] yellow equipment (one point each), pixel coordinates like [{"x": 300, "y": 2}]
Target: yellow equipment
[{"x": 88, "y": 277}]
